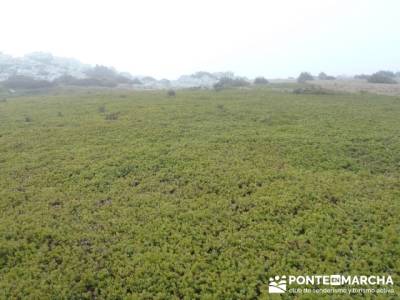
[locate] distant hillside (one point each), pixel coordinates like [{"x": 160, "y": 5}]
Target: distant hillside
[
  {"x": 38, "y": 69},
  {"x": 41, "y": 70},
  {"x": 41, "y": 66}
]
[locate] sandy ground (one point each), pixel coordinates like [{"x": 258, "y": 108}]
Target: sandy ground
[{"x": 359, "y": 86}]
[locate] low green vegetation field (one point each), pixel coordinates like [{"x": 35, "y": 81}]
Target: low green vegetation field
[{"x": 128, "y": 194}]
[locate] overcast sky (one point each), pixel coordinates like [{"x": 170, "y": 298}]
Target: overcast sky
[{"x": 169, "y": 38}]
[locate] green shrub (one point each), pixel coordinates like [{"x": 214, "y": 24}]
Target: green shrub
[
  {"x": 304, "y": 76},
  {"x": 312, "y": 91},
  {"x": 323, "y": 76},
  {"x": 382, "y": 77},
  {"x": 180, "y": 200},
  {"x": 261, "y": 80},
  {"x": 105, "y": 74},
  {"x": 226, "y": 82},
  {"x": 386, "y": 73},
  {"x": 112, "y": 116},
  {"x": 171, "y": 93},
  {"x": 98, "y": 76}
]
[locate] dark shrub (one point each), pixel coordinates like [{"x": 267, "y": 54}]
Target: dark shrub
[
  {"x": 102, "y": 109},
  {"x": 112, "y": 116},
  {"x": 171, "y": 93},
  {"x": 226, "y": 82},
  {"x": 382, "y": 77},
  {"x": 28, "y": 119},
  {"x": 304, "y": 76},
  {"x": 261, "y": 80},
  {"x": 323, "y": 76},
  {"x": 218, "y": 86},
  {"x": 106, "y": 76},
  {"x": 59, "y": 114},
  {"x": 26, "y": 82},
  {"x": 386, "y": 74},
  {"x": 312, "y": 90}
]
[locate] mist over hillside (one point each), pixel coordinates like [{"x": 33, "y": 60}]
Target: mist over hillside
[
  {"x": 40, "y": 65},
  {"x": 43, "y": 70},
  {"x": 46, "y": 67}
]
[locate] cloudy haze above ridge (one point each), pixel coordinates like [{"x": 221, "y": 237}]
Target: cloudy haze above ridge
[{"x": 171, "y": 38}]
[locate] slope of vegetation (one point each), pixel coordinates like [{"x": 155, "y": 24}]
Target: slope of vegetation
[{"x": 202, "y": 195}]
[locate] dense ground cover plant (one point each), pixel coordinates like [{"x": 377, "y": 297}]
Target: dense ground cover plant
[{"x": 202, "y": 195}]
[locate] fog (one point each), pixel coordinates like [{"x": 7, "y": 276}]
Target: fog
[{"x": 171, "y": 38}]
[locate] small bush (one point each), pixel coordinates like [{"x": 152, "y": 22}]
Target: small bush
[
  {"x": 304, "y": 76},
  {"x": 260, "y": 80},
  {"x": 226, "y": 82},
  {"x": 387, "y": 74},
  {"x": 312, "y": 91},
  {"x": 107, "y": 75},
  {"x": 112, "y": 116},
  {"x": 28, "y": 119},
  {"x": 59, "y": 114},
  {"x": 217, "y": 87},
  {"x": 382, "y": 77},
  {"x": 323, "y": 76},
  {"x": 171, "y": 93},
  {"x": 102, "y": 109}
]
